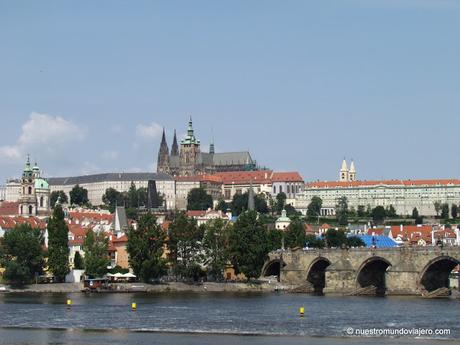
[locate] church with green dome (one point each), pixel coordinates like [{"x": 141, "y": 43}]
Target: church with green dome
[{"x": 34, "y": 192}]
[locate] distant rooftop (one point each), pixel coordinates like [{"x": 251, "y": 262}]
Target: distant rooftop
[{"x": 113, "y": 177}]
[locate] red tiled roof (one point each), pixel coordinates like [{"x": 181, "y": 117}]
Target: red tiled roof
[
  {"x": 292, "y": 176},
  {"x": 8, "y": 208},
  {"x": 9, "y": 222},
  {"x": 199, "y": 178},
  {"x": 407, "y": 183},
  {"x": 92, "y": 216},
  {"x": 196, "y": 213},
  {"x": 121, "y": 239},
  {"x": 256, "y": 177}
]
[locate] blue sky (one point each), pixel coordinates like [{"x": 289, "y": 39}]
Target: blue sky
[{"x": 87, "y": 86}]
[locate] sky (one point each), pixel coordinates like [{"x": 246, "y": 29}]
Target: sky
[{"x": 87, "y": 86}]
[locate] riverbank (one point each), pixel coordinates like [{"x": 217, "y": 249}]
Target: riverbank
[{"x": 153, "y": 288}]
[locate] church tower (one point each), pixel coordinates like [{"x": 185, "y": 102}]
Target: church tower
[
  {"x": 189, "y": 152},
  {"x": 352, "y": 172},
  {"x": 163, "y": 155},
  {"x": 27, "y": 200},
  {"x": 175, "y": 147},
  {"x": 344, "y": 173}
]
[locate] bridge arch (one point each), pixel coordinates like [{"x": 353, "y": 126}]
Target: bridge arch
[
  {"x": 316, "y": 274},
  {"x": 372, "y": 273},
  {"x": 435, "y": 274},
  {"x": 272, "y": 268}
]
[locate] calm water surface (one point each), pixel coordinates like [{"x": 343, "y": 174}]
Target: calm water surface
[{"x": 222, "y": 318}]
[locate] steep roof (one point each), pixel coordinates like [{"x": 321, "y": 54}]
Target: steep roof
[
  {"x": 256, "y": 177},
  {"x": 232, "y": 158},
  {"x": 141, "y": 176},
  {"x": 290, "y": 176}
]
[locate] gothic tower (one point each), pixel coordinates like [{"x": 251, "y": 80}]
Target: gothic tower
[
  {"x": 189, "y": 152},
  {"x": 175, "y": 147},
  {"x": 344, "y": 172},
  {"x": 163, "y": 155},
  {"x": 352, "y": 172}
]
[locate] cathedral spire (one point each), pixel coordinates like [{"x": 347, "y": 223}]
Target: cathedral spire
[
  {"x": 175, "y": 147},
  {"x": 211, "y": 146},
  {"x": 163, "y": 155}
]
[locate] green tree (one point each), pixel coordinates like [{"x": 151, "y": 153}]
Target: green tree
[
  {"x": 335, "y": 238},
  {"x": 274, "y": 239},
  {"x": 445, "y": 211},
  {"x": 21, "y": 254},
  {"x": 215, "y": 243},
  {"x": 355, "y": 241},
  {"x": 314, "y": 242},
  {"x": 185, "y": 245},
  {"x": 378, "y": 214},
  {"x": 248, "y": 245},
  {"x": 415, "y": 213},
  {"x": 198, "y": 199},
  {"x": 58, "y": 247},
  {"x": 132, "y": 197},
  {"x": 145, "y": 248},
  {"x": 222, "y": 206},
  {"x": 341, "y": 211},
  {"x": 361, "y": 211},
  {"x": 55, "y": 195},
  {"x": 314, "y": 207},
  {"x": 78, "y": 195},
  {"x": 113, "y": 198},
  {"x": 295, "y": 234},
  {"x": 240, "y": 203},
  {"x": 280, "y": 202},
  {"x": 437, "y": 207},
  {"x": 291, "y": 211},
  {"x": 96, "y": 254},
  {"x": 454, "y": 211},
  {"x": 391, "y": 212},
  {"x": 78, "y": 262}
]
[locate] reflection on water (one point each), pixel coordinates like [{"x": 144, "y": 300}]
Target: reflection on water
[{"x": 223, "y": 317}]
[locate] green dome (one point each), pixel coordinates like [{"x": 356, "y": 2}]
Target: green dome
[{"x": 41, "y": 184}]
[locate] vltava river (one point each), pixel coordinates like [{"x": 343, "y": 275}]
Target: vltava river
[{"x": 221, "y": 318}]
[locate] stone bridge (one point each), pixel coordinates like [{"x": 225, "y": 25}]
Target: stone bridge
[{"x": 397, "y": 271}]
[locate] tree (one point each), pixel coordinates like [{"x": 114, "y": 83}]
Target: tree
[
  {"x": 96, "y": 255},
  {"x": 198, "y": 199},
  {"x": 295, "y": 234},
  {"x": 454, "y": 211},
  {"x": 355, "y": 241},
  {"x": 437, "y": 207},
  {"x": 248, "y": 245},
  {"x": 391, "y": 212},
  {"x": 361, "y": 211},
  {"x": 378, "y": 214},
  {"x": 215, "y": 243},
  {"x": 58, "y": 247},
  {"x": 274, "y": 239},
  {"x": 21, "y": 254},
  {"x": 132, "y": 197},
  {"x": 54, "y": 196},
  {"x": 415, "y": 213},
  {"x": 314, "y": 242},
  {"x": 280, "y": 202},
  {"x": 291, "y": 211},
  {"x": 113, "y": 198},
  {"x": 341, "y": 211},
  {"x": 185, "y": 239},
  {"x": 222, "y": 206},
  {"x": 335, "y": 238},
  {"x": 78, "y": 195},
  {"x": 445, "y": 211},
  {"x": 314, "y": 207},
  {"x": 240, "y": 203},
  {"x": 78, "y": 263},
  {"x": 145, "y": 248}
]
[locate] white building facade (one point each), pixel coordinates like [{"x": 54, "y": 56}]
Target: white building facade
[
  {"x": 403, "y": 195},
  {"x": 97, "y": 185}
]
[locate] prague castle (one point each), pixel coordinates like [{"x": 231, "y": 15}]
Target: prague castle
[{"x": 189, "y": 160}]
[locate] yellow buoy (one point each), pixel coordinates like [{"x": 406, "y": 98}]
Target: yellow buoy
[
  {"x": 133, "y": 306},
  {"x": 69, "y": 302},
  {"x": 301, "y": 311}
]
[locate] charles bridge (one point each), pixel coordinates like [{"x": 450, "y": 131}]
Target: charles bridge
[{"x": 395, "y": 271}]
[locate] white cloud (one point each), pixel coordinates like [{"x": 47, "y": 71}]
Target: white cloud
[
  {"x": 150, "y": 131},
  {"x": 42, "y": 133}
]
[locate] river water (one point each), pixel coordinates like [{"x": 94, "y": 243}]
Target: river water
[{"x": 222, "y": 318}]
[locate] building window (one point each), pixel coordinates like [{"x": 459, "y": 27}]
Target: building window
[
  {"x": 30, "y": 209},
  {"x": 30, "y": 190},
  {"x": 274, "y": 189},
  {"x": 41, "y": 201},
  {"x": 288, "y": 189}
]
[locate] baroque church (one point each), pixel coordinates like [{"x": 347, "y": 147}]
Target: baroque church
[
  {"x": 189, "y": 160},
  {"x": 34, "y": 193}
]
